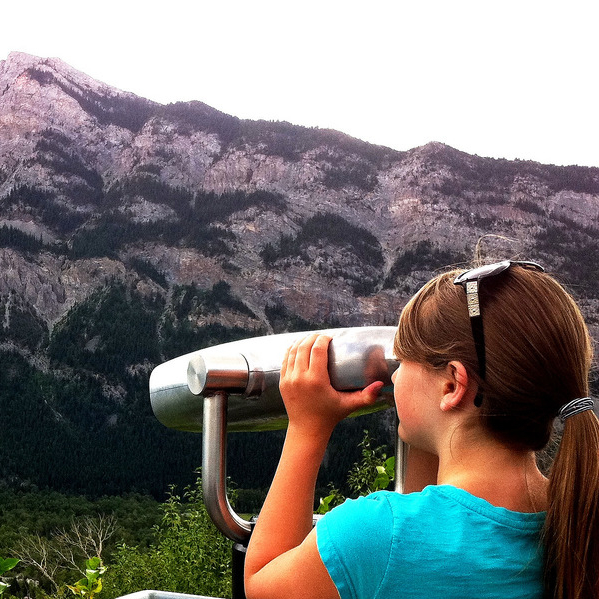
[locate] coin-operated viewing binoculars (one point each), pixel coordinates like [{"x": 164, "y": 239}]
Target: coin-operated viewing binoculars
[{"x": 235, "y": 387}]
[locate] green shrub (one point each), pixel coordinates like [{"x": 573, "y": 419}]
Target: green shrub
[
  {"x": 188, "y": 555},
  {"x": 374, "y": 472}
]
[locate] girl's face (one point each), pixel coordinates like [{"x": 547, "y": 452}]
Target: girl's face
[{"x": 417, "y": 391}]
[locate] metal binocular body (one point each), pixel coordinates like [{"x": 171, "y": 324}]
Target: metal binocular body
[
  {"x": 235, "y": 387},
  {"x": 248, "y": 372}
]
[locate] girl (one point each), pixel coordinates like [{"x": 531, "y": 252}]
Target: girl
[{"x": 489, "y": 359}]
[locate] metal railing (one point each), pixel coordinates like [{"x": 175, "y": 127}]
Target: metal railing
[{"x": 162, "y": 595}]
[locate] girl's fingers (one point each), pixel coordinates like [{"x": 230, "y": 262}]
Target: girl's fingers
[
  {"x": 319, "y": 356},
  {"x": 371, "y": 392},
  {"x": 304, "y": 349},
  {"x": 360, "y": 399},
  {"x": 305, "y": 385},
  {"x": 285, "y": 362},
  {"x": 291, "y": 356},
  {"x": 294, "y": 358}
]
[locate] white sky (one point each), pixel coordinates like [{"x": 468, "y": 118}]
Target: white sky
[{"x": 507, "y": 79}]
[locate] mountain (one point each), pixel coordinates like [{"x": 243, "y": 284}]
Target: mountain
[{"x": 132, "y": 232}]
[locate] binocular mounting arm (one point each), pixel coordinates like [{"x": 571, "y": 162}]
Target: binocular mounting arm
[{"x": 214, "y": 475}]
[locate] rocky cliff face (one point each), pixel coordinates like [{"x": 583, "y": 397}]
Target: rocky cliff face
[
  {"x": 76, "y": 153},
  {"x": 203, "y": 220}
]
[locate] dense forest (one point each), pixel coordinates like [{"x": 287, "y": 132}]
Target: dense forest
[
  {"x": 91, "y": 391},
  {"x": 139, "y": 485},
  {"x": 133, "y": 542}
]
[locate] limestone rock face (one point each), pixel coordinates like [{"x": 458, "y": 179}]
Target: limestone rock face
[{"x": 100, "y": 177}]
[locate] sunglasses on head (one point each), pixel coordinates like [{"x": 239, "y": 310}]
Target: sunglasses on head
[{"x": 470, "y": 280}]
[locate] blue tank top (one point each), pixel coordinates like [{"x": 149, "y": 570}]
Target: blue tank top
[{"x": 442, "y": 542}]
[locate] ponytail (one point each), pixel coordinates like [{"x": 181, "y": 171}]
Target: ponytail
[{"x": 572, "y": 526}]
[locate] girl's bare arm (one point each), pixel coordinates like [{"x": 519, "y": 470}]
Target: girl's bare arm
[{"x": 282, "y": 558}]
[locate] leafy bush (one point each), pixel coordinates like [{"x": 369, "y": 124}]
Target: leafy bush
[
  {"x": 374, "y": 472},
  {"x": 188, "y": 554},
  {"x": 5, "y": 565},
  {"x": 91, "y": 584}
]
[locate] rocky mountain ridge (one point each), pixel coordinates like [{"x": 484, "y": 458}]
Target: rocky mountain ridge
[
  {"x": 91, "y": 151},
  {"x": 131, "y": 231}
]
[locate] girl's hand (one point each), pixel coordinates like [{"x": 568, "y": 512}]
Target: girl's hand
[{"x": 312, "y": 403}]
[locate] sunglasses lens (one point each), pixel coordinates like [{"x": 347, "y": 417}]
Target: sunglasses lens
[{"x": 488, "y": 270}]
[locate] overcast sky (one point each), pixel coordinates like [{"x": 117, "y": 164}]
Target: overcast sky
[{"x": 509, "y": 79}]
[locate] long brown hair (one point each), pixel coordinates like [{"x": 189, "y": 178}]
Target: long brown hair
[{"x": 538, "y": 355}]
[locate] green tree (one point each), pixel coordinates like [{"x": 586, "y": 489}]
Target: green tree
[{"x": 91, "y": 584}]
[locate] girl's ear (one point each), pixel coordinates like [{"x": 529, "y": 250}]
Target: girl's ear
[{"x": 456, "y": 392}]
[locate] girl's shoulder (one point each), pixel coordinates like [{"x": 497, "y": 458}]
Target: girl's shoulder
[
  {"x": 456, "y": 502},
  {"x": 443, "y": 508}
]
